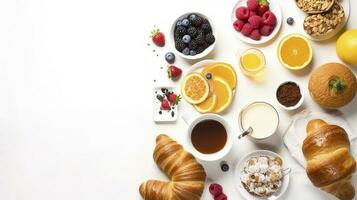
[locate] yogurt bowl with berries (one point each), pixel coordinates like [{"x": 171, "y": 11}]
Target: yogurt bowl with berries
[
  {"x": 256, "y": 21},
  {"x": 193, "y": 35}
]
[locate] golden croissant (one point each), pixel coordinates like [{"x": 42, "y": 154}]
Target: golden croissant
[
  {"x": 187, "y": 176},
  {"x": 329, "y": 163}
]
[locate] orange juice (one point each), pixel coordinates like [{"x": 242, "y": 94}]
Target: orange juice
[{"x": 252, "y": 61}]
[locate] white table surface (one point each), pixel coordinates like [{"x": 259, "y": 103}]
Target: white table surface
[{"x": 75, "y": 96}]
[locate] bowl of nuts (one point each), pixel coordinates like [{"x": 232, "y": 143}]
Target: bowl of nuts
[{"x": 322, "y": 19}]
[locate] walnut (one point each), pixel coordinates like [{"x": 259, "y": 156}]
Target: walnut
[{"x": 315, "y": 6}]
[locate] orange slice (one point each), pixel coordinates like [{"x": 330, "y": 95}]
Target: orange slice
[
  {"x": 222, "y": 70},
  {"x": 208, "y": 105},
  {"x": 224, "y": 94},
  {"x": 195, "y": 88},
  {"x": 295, "y": 51}
]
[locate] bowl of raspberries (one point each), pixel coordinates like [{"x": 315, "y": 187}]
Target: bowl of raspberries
[
  {"x": 193, "y": 35},
  {"x": 256, "y": 21}
]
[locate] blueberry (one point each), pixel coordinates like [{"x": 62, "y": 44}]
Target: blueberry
[
  {"x": 186, "y": 51},
  {"x": 193, "y": 52},
  {"x": 192, "y": 17},
  {"x": 159, "y": 97},
  {"x": 170, "y": 57},
  {"x": 186, "y": 39},
  {"x": 179, "y": 23},
  {"x": 208, "y": 76},
  {"x": 224, "y": 166},
  {"x": 290, "y": 20},
  {"x": 185, "y": 22}
]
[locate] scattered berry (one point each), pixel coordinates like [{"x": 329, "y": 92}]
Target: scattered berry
[
  {"x": 242, "y": 13},
  {"x": 186, "y": 51},
  {"x": 263, "y": 7},
  {"x": 160, "y": 97},
  {"x": 256, "y": 21},
  {"x": 174, "y": 72},
  {"x": 238, "y": 25},
  {"x": 173, "y": 98},
  {"x": 255, "y": 35},
  {"x": 252, "y": 5},
  {"x": 290, "y": 20},
  {"x": 193, "y": 53},
  {"x": 215, "y": 189},
  {"x": 221, "y": 197},
  {"x": 266, "y": 30},
  {"x": 165, "y": 105},
  {"x": 186, "y": 39},
  {"x": 269, "y": 18},
  {"x": 170, "y": 57},
  {"x": 208, "y": 76},
  {"x": 210, "y": 39},
  {"x": 164, "y": 90},
  {"x": 158, "y": 38},
  {"x": 185, "y": 22},
  {"x": 247, "y": 29}
]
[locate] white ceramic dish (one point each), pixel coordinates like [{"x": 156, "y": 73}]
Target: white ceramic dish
[
  {"x": 165, "y": 115},
  {"x": 206, "y": 51},
  {"x": 239, "y": 167},
  {"x": 274, "y": 7},
  {"x": 301, "y": 16},
  {"x": 291, "y": 107}
]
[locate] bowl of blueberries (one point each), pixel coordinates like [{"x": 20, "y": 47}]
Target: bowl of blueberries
[{"x": 193, "y": 35}]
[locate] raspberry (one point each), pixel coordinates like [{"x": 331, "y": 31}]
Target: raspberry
[
  {"x": 242, "y": 13},
  {"x": 247, "y": 29},
  {"x": 266, "y": 30},
  {"x": 238, "y": 25},
  {"x": 252, "y": 13},
  {"x": 252, "y": 5},
  {"x": 215, "y": 189},
  {"x": 221, "y": 197},
  {"x": 255, "y": 35},
  {"x": 269, "y": 18},
  {"x": 255, "y": 21}
]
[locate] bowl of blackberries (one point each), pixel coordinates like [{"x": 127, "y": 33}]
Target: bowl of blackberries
[{"x": 193, "y": 35}]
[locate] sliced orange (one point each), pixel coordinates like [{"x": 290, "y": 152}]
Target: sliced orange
[
  {"x": 195, "y": 88},
  {"x": 224, "y": 94},
  {"x": 208, "y": 105},
  {"x": 222, "y": 70},
  {"x": 294, "y": 51}
]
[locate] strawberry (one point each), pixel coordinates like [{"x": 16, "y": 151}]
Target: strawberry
[
  {"x": 165, "y": 105},
  {"x": 174, "y": 72},
  {"x": 158, "y": 37},
  {"x": 173, "y": 98},
  {"x": 263, "y": 7}
]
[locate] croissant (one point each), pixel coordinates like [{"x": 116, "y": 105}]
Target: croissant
[
  {"x": 329, "y": 162},
  {"x": 187, "y": 176}
]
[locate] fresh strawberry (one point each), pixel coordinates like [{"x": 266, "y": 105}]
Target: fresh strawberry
[
  {"x": 165, "y": 105},
  {"x": 158, "y": 37},
  {"x": 263, "y": 7},
  {"x": 174, "y": 72},
  {"x": 173, "y": 98}
]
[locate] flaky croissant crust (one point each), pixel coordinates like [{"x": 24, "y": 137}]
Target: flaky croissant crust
[{"x": 187, "y": 176}]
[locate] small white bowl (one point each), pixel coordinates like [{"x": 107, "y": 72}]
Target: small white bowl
[
  {"x": 240, "y": 166},
  {"x": 274, "y": 7},
  {"x": 202, "y": 54},
  {"x": 291, "y": 107}
]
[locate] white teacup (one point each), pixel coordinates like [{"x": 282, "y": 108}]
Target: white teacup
[{"x": 192, "y": 120}]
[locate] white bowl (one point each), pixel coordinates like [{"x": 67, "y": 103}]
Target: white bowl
[
  {"x": 291, "y": 107},
  {"x": 274, "y": 7},
  {"x": 202, "y": 54},
  {"x": 239, "y": 168}
]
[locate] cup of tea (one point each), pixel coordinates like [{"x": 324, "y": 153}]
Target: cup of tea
[
  {"x": 262, "y": 118},
  {"x": 209, "y": 136}
]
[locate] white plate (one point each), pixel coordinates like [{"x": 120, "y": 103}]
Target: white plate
[
  {"x": 274, "y": 7},
  {"x": 301, "y": 16},
  {"x": 206, "y": 51},
  {"x": 240, "y": 166},
  {"x": 165, "y": 115}
]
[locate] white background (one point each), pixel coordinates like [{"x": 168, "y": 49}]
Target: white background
[{"x": 75, "y": 95}]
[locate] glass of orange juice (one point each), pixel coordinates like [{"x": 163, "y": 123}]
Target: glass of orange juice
[{"x": 252, "y": 61}]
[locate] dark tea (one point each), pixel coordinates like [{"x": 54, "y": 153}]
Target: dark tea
[{"x": 209, "y": 136}]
